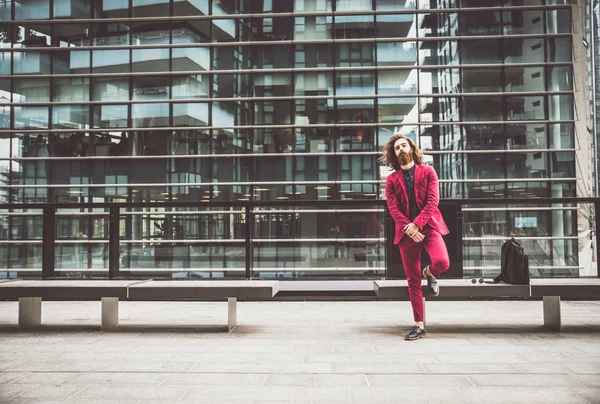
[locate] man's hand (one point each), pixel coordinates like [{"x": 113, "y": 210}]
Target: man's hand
[
  {"x": 417, "y": 238},
  {"x": 411, "y": 229}
]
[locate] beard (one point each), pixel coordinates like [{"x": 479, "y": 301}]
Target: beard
[{"x": 405, "y": 158}]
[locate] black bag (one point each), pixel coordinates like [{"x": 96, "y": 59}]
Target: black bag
[{"x": 514, "y": 264}]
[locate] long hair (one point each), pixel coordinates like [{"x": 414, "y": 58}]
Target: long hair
[{"x": 389, "y": 158}]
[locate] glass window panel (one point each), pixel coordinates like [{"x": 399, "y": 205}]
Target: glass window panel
[
  {"x": 31, "y": 63},
  {"x": 273, "y": 56},
  {"x": 480, "y": 22},
  {"x": 440, "y": 53},
  {"x": 5, "y": 10},
  {"x": 485, "y": 189},
  {"x": 315, "y": 168},
  {"x": 481, "y": 51},
  {"x": 355, "y": 26},
  {"x": 437, "y": 24},
  {"x": 110, "y": 61},
  {"x": 71, "y": 35},
  {"x": 563, "y": 164},
  {"x": 396, "y": 54},
  {"x": 395, "y": 4},
  {"x": 355, "y": 83},
  {"x": 560, "y": 107},
  {"x": 558, "y": 21},
  {"x": 524, "y": 79},
  {"x": 272, "y": 84},
  {"x": 436, "y": 109},
  {"x": 313, "y": 111},
  {"x": 232, "y": 141},
  {"x": 558, "y": 49},
  {"x": 5, "y": 123},
  {"x": 355, "y": 111},
  {"x": 70, "y": 116},
  {"x": 150, "y": 60},
  {"x": 149, "y": 8},
  {"x": 31, "y": 90},
  {"x": 196, "y": 7},
  {"x": 395, "y": 25},
  {"x": 313, "y": 55},
  {"x": 484, "y": 137},
  {"x": 32, "y": 10},
  {"x": 5, "y": 63},
  {"x": 238, "y": 29},
  {"x": 110, "y": 116},
  {"x": 272, "y": 140},
  {"x": 110, "y": 33},
  {"x": 273, "y": 29},
  {"x": 562, "y": 135},
  {"x": 434, "y": 81},
  {"x": 482, "y": 80},
  {"x": 527, "y": 165},
  {"x": 303, "y": 5},
  {"x": 191, "y": 59},
  {"x": 272, "y": 112},
  {"x": 150, "y": 115},
  {"x": 190, "y": 87},
  {"x": 396, "y": 110},
  {"x": 75, "y": 89},
  {"x": 484, "y": 166},
  {"x": 354, "y": 191},
  {"x": 482, "y": 108},
  {"x": 518, "y": 22},
  {"x": 523, "y": 108},
  {"x": 192, "y": 114},
  {"x": 229, "y": 113},
  {"x": 150, "y": 170},
  {"x": 313, "y": 140},
  {"x": 110, "y": 89},
  {"x": 227, "y": 85},
  {"x": 71, "y": 172},
  {"x": 31, "y": 117},
  {"x": 357, "y": 168},
  {"x": 355, "y": 138},
  {"x": 560, "y": 78},
  {"x": 273, "y": 168},
  {"x": 526, "y": 136},
  {"x": 524, "y": 50},
  {"x": 355, "y": 54},
  {"x": 313, "y": 83},
  {"x": 71, "y": 61},
  {"x": 312, "y": 27},
  {"x": 146, "y": 88}
]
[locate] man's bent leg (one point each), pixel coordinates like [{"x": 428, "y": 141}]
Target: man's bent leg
[
  {"x": 411, "y": 259},
  {"x": 438, "y": 253}
]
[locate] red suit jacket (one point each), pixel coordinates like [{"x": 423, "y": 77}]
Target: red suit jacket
[{"x": 427, "y": 196}]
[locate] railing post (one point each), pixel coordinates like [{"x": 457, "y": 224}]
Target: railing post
[
  {"x": 48, "y": 242},
  {"x": 596, "y": 229},
  {"x": 113, "y": 242},
  {"x": 249, "y": 250}
]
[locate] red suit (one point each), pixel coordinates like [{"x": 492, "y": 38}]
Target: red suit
[{"x": 430, "y": 222}]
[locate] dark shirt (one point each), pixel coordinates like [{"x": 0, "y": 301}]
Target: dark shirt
[{"x": 409, "y": 179}]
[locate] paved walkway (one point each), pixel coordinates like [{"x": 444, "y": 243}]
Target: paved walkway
[{"x": 302, "y": 352}]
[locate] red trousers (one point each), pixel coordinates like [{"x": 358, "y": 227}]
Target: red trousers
[{"x": 411, "y": 258}]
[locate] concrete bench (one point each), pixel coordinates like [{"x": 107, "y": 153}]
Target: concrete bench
[
  {"x": 551, "y": 290},
  {"x": 31, "y": 293},
  {"x": 450, "y": 288}
]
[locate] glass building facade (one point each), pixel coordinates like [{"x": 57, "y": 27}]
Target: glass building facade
[{"x": 283, "y": 100}]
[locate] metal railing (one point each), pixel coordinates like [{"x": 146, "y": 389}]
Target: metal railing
[{"x": 296, "y": 239}]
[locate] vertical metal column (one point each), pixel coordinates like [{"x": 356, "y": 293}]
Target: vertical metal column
[
  {"x": 249, "y": 227},
  {"x": 48, "y": 242},
  {"x": 597, "y": 227},
  {"x": 113, "y": 242}
]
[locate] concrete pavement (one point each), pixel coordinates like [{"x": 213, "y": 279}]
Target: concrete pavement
[{"x": 302, "y": 352}]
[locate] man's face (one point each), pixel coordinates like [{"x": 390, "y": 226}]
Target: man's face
[{"x": 403, "y": 151}]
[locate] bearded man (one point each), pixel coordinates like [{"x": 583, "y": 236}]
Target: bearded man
[{"x": 412, "y": 194}]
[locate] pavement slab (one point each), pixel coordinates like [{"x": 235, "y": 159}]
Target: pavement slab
[{"x": 302, "y": 352}]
